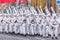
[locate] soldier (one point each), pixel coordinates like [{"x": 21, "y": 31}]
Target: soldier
[
  {"x": 31, "y": 24},
  {"x": 58, "y": 19},
  {"x": 12, "y": 23},
  {"x": 1, "y": 22},
  {"x": 35, "y": 29},
  {"x": 16, "y": 26},
  {"x": 24, "y": 25},
  {"x": 6, "y": 23},
  {"x": 28, "y": 24},
  {"x": 44, "y": 22},
  {"x": 39, "y": 24},
  {"x": 19, "y": 21},
  {"x": 55, "y": 27},
  {"x": 51, "y": 27},
  {"x": 47, "y": 25}
]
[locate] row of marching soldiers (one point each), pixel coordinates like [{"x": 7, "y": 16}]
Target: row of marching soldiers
[
  {"x": 43, "y": 25},
  {"x": 28, "y": 21}
]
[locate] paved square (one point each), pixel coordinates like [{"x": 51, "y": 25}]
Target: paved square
[{"x": 18, "y": 37}]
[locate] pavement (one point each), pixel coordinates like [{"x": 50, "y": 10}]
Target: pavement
[{"x": 19, "y": 37}]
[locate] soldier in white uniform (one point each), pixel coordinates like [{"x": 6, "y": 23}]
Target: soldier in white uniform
[
  {"x": 19, "y": 21},
  {"x": 1, "y": 23},
  {"x": 31, "y": 31},
  {"x": 12, "y": 23},
  {"x": 16, "y": 26},
  {"x": 24, "y": 25},
  {"x": 58, "y": 19},
  {"x": 48, "y": 19},
  {"x": 39, "y": 20},
  {"x": 45, "y": 27},
  {"x": 6, "y": 22},
  {"x": 34, "y": 22},
  {"x": 28, "y": 24},
  {"x": 55, "y": 27},
  {"x": 51, "y": 26}
]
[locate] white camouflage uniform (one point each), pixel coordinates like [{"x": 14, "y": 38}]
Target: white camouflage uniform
[
  {"x": 1, "y": 23},
  {"x": 55, "y": 26},
  {"x": 6, "y": 22}
]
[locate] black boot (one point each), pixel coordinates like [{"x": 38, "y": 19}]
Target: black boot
[
  {"x": 56, "y": 37},
  {"x": 52, "y": 37},
  {"x": 41, "y": 35},
  {"x": 24, "y": 35},
  {"x": 49, "y": 35}
]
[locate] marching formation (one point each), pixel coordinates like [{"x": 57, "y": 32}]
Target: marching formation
[{"x": 28, "y": 21}]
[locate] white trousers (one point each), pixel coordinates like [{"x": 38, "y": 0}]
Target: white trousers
[
  {"x": 22, "y": 29},
  {"x": 1, "y": 27},
  {"x": 45, "y": 31},
  {"x": 54, "y": 31},
  {"x": 40, "y": 27},
  {"x": 27, "y": 28},
  {"x": 17, "y": 28},
  {"x": 32, "y": 29},
  {"x": 7, "y": 28},
  {"x": 35, "y": 29},
  {"x": 11, "y": 26}
]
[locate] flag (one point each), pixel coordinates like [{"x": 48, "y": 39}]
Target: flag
[
  {"x": 10, "y": 1},
  {"x": 6, "y": 1}
]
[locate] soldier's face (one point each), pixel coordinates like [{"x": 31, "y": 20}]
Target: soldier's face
[
  {"x": 11, "y": 16},
  {"x": 19, "y": 15},
  {"x": 3, "y": 16},
  {"x": 7, "y": 16},
  {"x": 32, "y": 15},
  {"x": 48, "y": 16}
]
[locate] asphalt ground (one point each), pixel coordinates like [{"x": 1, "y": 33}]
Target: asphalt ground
[{"x": 4, "y": 36}]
